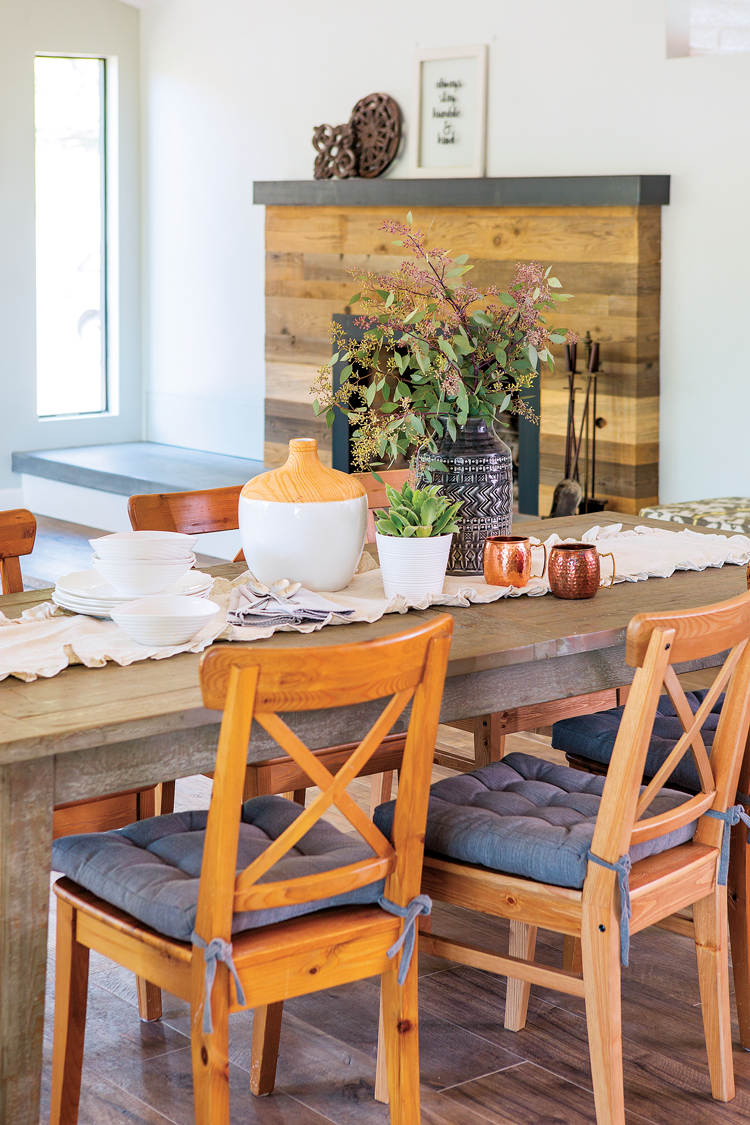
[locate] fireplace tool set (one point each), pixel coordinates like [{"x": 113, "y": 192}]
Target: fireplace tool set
[{"x": 570, "y": 495}]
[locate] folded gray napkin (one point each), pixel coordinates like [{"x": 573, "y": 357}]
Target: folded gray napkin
[{"x": 248, "y": 608}]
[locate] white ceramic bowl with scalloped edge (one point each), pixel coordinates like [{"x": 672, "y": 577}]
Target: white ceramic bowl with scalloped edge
[
  {"x": 170, "y": 619},
  {"x": 130, "y": 546},
  {"x": 142, "y": 576}
]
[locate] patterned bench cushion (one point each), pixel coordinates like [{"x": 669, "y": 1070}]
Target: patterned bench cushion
[
  {"x": 527, "y": 817},
  {"x": 593, "y": 737},
  {"x": 729, "y": 513},
  {"x": 151, "y": 869}
]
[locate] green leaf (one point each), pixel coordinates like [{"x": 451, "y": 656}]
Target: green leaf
[
  {"x": 458, "y": 271},
  {"x": 386, "y": 527},
  {"x": 446, "y": 348},
  {"x": 330, "y": 415},
  {"x": 316, "y": 407},
  {"x": 389, "y": 407},
  {"x": 533, "y": 356},
  {"x": 382, "y": 293},
  {"x": 506, "y": 299},
  {"x": 461, "y": 259},
  {"x": 334, "y": 359},
  {"x": 429, "y": 511},
  {"x": 424, "y": 532},
  {"x": 409, "y": 218},
  {"x": 482, "y": 319},
  {"x": 397, "y": 242},
  {"x": 377, "y": 477},
  {"x": 556, "y": 338},
  {"x": 370, "y": 393},
  {"x": 451, "y": 428},
  {"x": 408, "y": 531},
  {"x": 355, "y": 299},
  {"x": 390, "y": 299},
  {"x": 554, "y": 283}
]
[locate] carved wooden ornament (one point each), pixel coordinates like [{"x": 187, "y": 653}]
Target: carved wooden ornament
[{"x": 365, "y": 146}]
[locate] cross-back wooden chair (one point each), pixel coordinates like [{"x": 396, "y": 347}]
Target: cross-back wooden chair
[
  {"x": 610, "y": 904},
  {"x": 272, "y": 963},
  {"x": 17, "y": 537}
]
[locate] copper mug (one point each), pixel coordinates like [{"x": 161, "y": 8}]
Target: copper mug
[
  {"x": 507, "y": 560},
  {"x": 575, "y": 570}
]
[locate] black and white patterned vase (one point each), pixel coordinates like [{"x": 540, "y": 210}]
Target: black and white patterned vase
[{"x": 480, "y": 472}]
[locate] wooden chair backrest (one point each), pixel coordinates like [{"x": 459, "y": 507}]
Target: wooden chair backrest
[
  {"x": 376, "y": 494},
  {"x": 192, "y": 513},
  {"x": 655, "y": 642},
  {"x": 17, "y": 535},
  {"x": 261, "y": 684}
]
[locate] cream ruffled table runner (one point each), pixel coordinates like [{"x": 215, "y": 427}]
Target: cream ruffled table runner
[{"x": 44, "y": 640}]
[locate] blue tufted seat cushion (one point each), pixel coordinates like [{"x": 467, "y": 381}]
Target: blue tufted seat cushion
[
  {"x": 593, "y": 737},
  {"x": 527, "y": 817},
  {"x": 151, "y": 869}
]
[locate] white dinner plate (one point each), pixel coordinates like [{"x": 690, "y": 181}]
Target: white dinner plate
[
  {"x": 87, "y": 584},
  {"x": 86, "y": 592}
]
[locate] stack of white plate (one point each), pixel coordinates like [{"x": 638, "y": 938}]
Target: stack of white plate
[{"x": 85, "y": 591}]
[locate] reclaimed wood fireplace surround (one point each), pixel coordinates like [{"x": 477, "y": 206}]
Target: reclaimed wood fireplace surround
[{"x": 602, "y": 235}]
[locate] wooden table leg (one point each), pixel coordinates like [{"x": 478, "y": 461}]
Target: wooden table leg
[
  {"x": 489, "y": 740},
  {"x": 26, "y": 801}
]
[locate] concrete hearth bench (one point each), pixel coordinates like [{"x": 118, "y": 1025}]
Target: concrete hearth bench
[
  {"x": 91, "y": 485},
  {"x": 729, "y": 513}
]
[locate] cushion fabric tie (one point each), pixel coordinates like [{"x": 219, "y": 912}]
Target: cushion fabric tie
[
  {"x": 420, "y": 904},
  {"x": 622, "y": 867},
  {"x": 732, "y": 816},
  {"x": 216, "y": 950}
]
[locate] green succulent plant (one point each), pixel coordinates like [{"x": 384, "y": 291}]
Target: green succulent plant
[{"x": 420, "y": 512}]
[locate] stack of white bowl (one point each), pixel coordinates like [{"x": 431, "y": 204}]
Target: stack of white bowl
[
  {"x": 128, "y": 567},
  {"x": 136, "y": 563}
]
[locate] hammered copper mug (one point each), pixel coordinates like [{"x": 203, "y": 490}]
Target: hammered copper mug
[
  {"x": 575, "y": 570},
  {"x": 507, "y": 560}
]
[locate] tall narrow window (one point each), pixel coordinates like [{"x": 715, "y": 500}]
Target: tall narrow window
[{"x": 71, "y": 299}]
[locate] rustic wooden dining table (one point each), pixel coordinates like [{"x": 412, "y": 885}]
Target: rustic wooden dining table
[{"x": 89, "y": 732}]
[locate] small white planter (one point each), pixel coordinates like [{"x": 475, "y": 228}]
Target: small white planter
[{"x": 413, "y": 567}]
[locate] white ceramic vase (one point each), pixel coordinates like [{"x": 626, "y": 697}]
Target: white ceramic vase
[
  {"x": 303, "y": 521},
  {"x": 413, "y": 567}
]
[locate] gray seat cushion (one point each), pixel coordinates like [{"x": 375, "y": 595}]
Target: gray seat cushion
[
  {"x": 151, "y": 869},
  {"x": 528, "y": 817},
  {"x": 593, "y": 737}
]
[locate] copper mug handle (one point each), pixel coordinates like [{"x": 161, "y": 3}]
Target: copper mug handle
[
  {"x": 544, "y": 567},
  {"x": 609, "y": 555}
]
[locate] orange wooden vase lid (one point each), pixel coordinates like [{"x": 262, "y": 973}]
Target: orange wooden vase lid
[{"x": 303, "y": 479}]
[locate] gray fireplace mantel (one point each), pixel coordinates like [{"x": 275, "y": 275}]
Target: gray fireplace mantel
[{"x": 506, "y": 191}]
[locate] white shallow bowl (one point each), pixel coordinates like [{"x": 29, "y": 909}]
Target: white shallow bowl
[
  {"x": 133, "y": 545},
  {"x": 142, "y": 576},
  {"x": 165, "y": 620}
]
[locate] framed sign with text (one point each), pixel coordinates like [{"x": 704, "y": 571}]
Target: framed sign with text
[{"x": 450, "y": 105}]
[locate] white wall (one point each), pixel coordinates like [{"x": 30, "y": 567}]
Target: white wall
[
  {"x": 234, "y": 88},
  {"x": 83, "y": 27}
]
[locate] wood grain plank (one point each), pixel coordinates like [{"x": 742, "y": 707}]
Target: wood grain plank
[{"x": 26, "y": 798}]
